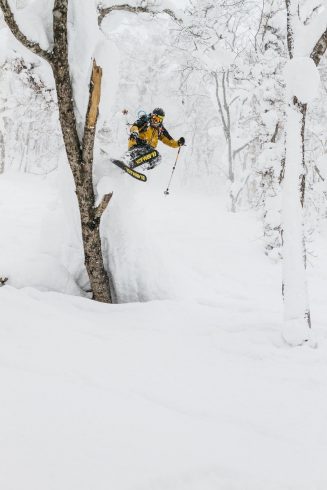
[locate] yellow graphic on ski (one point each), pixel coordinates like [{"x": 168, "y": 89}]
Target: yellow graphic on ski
[
  {"x": 129, "y": 171},
  {"x": 147, "y": 158}
]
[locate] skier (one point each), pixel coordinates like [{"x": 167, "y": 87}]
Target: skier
[
  {"x": 149, "y": 129},
  {"x": 143, "y": 140}
]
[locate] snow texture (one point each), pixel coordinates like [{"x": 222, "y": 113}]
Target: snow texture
[
  {"x": 84, "y": 36},
  {"x": 197, "y": 391},
  {"x": 302, "y": 79}
]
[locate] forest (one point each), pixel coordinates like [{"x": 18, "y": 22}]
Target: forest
[{"x": 163, "y": 266}]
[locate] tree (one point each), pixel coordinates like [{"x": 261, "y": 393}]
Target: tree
[
  {"x": 31, "y": 139},
  {"x": 79, "y": 153},
  {"x": 79, "y": 150},
  {"x": 222, "y": 35},
  {"x": 307, "y": 42}
]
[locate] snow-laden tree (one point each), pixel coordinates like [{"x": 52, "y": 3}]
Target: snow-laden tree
[
  {"x": 53, "y": 47},
  {"x": 29, "y": 119},
  {"x": 224, "y": 38},
  {"x": 78, "y": 88},
  {"x": 307, "y": 42},
  {"x": 265, "y": 115}
]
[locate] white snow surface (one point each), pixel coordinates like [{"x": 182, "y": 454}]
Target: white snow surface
[
  {"x": 34, "y": 18},
  {"x": 302, "y": 79},
  {"x": 84, "y": 36},
  {"x": 192, "y": 389},
  {"x": 306, "y": 36}
]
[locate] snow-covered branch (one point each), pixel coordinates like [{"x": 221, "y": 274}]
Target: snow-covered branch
[
  {"x": 13, "y": 26},
  {"x": 104, "y": 11},
  {"x": 238, "y": 150}
]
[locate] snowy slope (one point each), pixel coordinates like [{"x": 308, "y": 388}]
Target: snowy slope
[
  {"x": 191, "y": 390},
  {"x": 160, "y": 395}
]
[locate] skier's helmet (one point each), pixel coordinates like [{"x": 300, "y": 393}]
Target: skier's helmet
[{"x": 157, "y": 117}]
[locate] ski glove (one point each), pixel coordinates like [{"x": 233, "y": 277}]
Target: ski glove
[
  {"x": 134, "y": 136},
  {"x": 181, "y": 141}
]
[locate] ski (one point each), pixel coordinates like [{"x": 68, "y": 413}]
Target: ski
[
  {"x": 129, "y": 171},
  {"x": 148, "y": 157}
]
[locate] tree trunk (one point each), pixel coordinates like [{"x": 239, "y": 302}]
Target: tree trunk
[
  {"x": 296, "y": 304},
  {"x": 80, "y": 156},
  {"x": 224, "y": 112},
  {"x": 80, "y": 159}
]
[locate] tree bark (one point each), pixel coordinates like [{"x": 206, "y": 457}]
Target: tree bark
[{"x": 80, "y": 156}]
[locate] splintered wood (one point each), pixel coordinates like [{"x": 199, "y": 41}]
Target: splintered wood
[{"x": 95, "y": 94}]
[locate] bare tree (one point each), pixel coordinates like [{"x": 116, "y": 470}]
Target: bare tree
[{"x": 79, "y": 153}]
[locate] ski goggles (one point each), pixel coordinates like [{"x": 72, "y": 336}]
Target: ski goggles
[{"x": 157, "y": 119}]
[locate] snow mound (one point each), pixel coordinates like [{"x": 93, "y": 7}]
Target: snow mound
[
  {"x": 302, "y": 79},
  {"x": 42, "y": 272},
  {"x": 295, "y": 332}
]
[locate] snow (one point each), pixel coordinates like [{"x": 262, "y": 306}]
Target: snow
[
  {"x": 84, "y": 36},
  {"x": 35, "y": 21},
  {"x": 215, "y": 60},
  {"x": 294, "y": 273},
  {"x": 31, "y": 255},
  {"x": 102, "y": 396},
  {"x": 302, "y": 79},
  {"x": 306, "y": 36},
  {"x": 191, "y": 388},
  {"x": 107, "y": 56},
  {"x": 189, "y": 383}
]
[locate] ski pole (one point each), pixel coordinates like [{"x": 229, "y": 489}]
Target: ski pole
[{"x": 172, "y": 173}]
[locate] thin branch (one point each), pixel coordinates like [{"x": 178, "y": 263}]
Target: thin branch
[
  {"x": 241, "y": 188},
  {"x": 13, "y": 26},
  {"x": 221, "y": 111},
  {"x": 238, "y": 150},
  {"x": 104, "y": 11},
  {"x": 318, "y": 172},
  {"x": 259, "y": 26},
  {"x": 99, "y": 210},
  {"x": 309, "y": 17},
  {"x": 234, "y": 100},
  {"x": 274, "y": 136}
]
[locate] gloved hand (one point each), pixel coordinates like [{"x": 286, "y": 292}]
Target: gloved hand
[
  {"x": 134, "y": 136},
  {"x": 181, "y": 141}
]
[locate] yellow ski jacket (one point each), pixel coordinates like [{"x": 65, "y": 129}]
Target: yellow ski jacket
[{"x": 151, "y": 135}]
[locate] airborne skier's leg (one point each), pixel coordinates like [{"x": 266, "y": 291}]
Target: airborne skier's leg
[{"x": 143, "y": 154}]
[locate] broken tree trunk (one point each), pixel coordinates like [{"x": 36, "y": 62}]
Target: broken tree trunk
[{"x": 79, "y": 154}]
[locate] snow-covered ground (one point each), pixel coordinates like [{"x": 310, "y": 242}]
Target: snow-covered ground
[{"x": 191, "y": 389}]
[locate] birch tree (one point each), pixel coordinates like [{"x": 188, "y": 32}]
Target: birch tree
[{"x": 307, "y": 43}]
